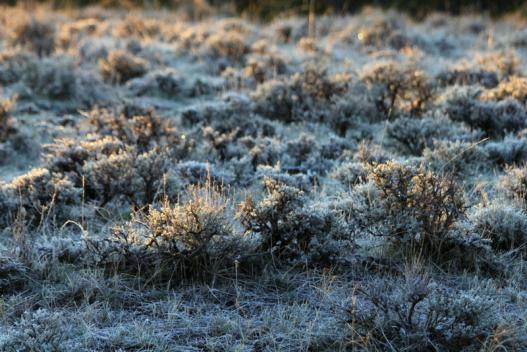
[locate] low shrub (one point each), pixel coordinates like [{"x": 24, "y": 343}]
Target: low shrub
[
  {"x": 35, "y": 34},
  {"x": 143, "y": 130},
  {"x": 166, "y": 83},
  {"x": 230, "y": 45},
  {"x": 509, "y": 151},
  {"x": 51, "y": 78},
  {"x": 415, "y": 313},
  {"x": 397, "y": 88},
  {"x": 504, "y": 224},
  {"x": 191, "y": 239},
  {"x": 40, "y": 196},
  {"x": 456, "y": 158},
  {"x": 12, "y": 65},
  {"x": 305, "y": 97},
  {"x": 289, "y": 230},
  {"x": 514, "y": 87},
  {"x": 514, "y": 183},
  {"x": 7, "y": 128},
  {"x": 496, "y": 119},
  {"x": 462, "y": 77},
  {"x": 413, "y": 209},
  {"x": 412, "y": 136},
  {"x": 121, "y": 66}
]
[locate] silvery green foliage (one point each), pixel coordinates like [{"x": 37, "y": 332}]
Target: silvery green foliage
[
  {"x": 417, "y": 209},
  {"x": 412, "y": 136},
  {"x": 350, "y": 173},
  {"x": 39, "y": 330},
  {"x": 51, "y": 78},
  {"x": 12, "y": 65},
  {"x": 511, "y": 150},
  {"x": 305, "y": 97},
  {"x": 166, "y": 83},
  {"x": 290, "y": 229},
  {"x": 458, "y": 158},
  {"x": 485, "y": 78},
  {"x": 494, "y": 118},
  {"x": 504, "y": 224},
  {"x": 38, "y": 35},
  {"x": 416, "y": 313},
  {"x": 41, "y": 196}
]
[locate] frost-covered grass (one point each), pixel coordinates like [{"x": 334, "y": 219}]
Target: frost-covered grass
[{"x": 169, "y": 184}]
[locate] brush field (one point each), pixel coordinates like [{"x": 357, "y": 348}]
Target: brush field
[{"x": 184, "y": 181}]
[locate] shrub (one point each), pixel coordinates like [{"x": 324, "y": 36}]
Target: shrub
[
  {"x": 454, "y": 158},
  {"x": 412, "y": 136},
  {"x": 349, "y": 113},
  {"x": 13, "y": 275},
  {"x": 514, "y": 183},
  {"x": 504, "y": 224},
  {"x": 134, "y": 26},
  {"x": 121, "y": 66},
  {"x": 106, "y": 169},
  {"x": 166, "y": 83},
  {"x": 395, "y": 87},
  {"x": 415, "y": 313},
  {"x": 288, "y": 230},
  {"x": 514, "y": 87},
  {"x": 192, "y": 239},
  {"x": 229, "y": 45},
  {"x": 13, "y": 64},
  {"x": 417, "y": 209},
  {"x": 487, "y": 79},
  {"x": 144, "y": 130},
  {"x": 305, "y": 98},
  {"x": 35, "y": 34},
  {"x": 42, "y": 197},
  {"x": 496, "y": 119},
  {"x": 511, "y": 150},
  {"x": 7, "y": 128},
  {"x": 264, "y": 67},
  {"x": 350, "y": 173},
  {"x": 51, "y": 78}
]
